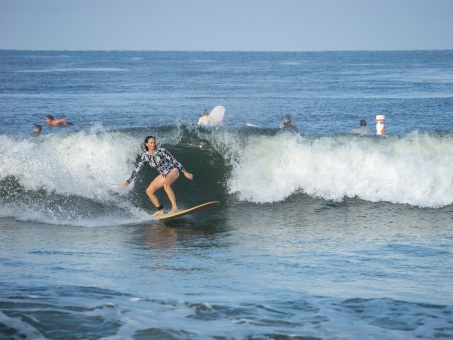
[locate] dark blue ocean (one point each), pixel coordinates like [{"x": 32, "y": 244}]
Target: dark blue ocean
[{"x": 321, "y": 234}]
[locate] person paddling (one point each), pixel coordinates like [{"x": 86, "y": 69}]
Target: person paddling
[
  {"x": 56, "y": 122},
  {"x": 168, "y": 168}
]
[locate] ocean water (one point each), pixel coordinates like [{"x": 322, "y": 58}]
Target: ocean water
[{"x": 320, "y": 234}]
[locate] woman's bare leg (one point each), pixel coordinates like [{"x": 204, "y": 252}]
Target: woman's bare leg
[
  {"x": 155, "y": 185},
  {"x": 169, "y": 180},
  {"x": 166, "y": 183}
]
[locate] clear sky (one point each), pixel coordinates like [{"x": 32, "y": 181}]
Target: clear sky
[{"x": 226, "y": 25}]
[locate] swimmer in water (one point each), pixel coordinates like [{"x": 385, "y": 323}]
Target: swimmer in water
[{"x": 56, "y": 122}]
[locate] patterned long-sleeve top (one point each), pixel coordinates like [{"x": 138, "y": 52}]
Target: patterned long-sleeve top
[{"x": 162, "y": 160}]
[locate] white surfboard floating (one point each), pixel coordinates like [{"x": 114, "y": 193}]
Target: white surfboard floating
[
  {"x": 216, "y": 115},
  {"x": 214, "y": 118}
]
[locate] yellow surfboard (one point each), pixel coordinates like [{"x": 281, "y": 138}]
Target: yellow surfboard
[{"x": 188, "y": 211}]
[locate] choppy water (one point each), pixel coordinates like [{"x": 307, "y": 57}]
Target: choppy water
[{"x": 321, "y": 234}]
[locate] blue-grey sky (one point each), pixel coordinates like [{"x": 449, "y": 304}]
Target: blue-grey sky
[{"x": 226, "y": 25}]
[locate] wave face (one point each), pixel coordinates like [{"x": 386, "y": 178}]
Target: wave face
[{"x": 73, "y": 177}]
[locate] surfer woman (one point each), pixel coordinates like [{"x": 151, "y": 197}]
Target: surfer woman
[{"x": 167, "y": 166}]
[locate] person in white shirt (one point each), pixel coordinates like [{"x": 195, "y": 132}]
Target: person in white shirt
[
  {"x": 204, "y": 119},
  {"x": 362, "y": 130}
]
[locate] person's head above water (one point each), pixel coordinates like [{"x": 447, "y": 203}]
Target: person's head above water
[{"x": 37, "y": 129}]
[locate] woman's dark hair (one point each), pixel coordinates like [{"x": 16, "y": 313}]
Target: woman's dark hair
[{"x": 147, "y": 139}]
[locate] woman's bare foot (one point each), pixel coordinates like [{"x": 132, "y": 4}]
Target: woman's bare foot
[
  {"x": 158, "y": 212},
  {"x": 173, "y": 210}
]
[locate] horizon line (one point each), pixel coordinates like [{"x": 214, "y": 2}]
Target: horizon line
[{"x": 220, "y": 51}]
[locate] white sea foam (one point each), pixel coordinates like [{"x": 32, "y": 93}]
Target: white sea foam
[
  {"x": 87, "y": 163},
  {"x": 80, "y": 171},
  {"x": 414, "y": 170}
]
